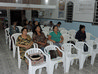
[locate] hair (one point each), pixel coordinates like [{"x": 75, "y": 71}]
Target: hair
[
  {"x": 50, "y": 21},
  {"x": 35, "y": 29},
  {"x": 81, "y": 27},
  {"x": 14, "y": 22},
  {"x": 33, "y": 22},
  {"x": 59, "y": 23},
  {"x": 29, "y": 22},
  {"x": 23, "y": 30},
  {"x": 54, "y": 27}
]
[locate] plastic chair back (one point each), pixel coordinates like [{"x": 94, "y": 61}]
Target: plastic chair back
[
  {"x": 20, "y": 28},
  {"x": 30, "y": 33}
]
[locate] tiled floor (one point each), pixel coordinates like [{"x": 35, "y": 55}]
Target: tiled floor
[{"x": 8, "y": 64}]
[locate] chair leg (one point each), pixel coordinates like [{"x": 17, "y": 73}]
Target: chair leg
[
  {"x": 93, "y": 59},
  {"x": 19, "y": 63},
  {"x": 67, "y": 65},
  {"x": 6, "y": 40},
  {"x": 51, "y": 69},
  {"x": 56, "y": 65},
  {"x": 14, "y": 51},
  {"x": 9, "y": 44},
  {"x": 31, "y": 71},
  {"x": 64, "y": 65},
  {"x": 40, "y": 70},
  {"x": 76, "y": 61},
  {"x": 72, "y": 62},
  {"x": 81, "y": 62}
]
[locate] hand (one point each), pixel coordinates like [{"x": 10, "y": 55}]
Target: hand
[
  {"x": 27, "y": 46},
  {"x": 53, "y": 41},
  {"x": 43, "y": 44},
  {"x": 61, "y": 41}
]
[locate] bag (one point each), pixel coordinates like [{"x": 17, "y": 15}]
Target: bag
[
  {"x": 53, "y": 54},
  {"x": 71, "y": 42},
  {"x": 36, "y": 58},
  {"x": 85, "y": 48}
]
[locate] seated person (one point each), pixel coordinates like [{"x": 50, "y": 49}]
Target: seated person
[
  {"x": 26, "y": 23},
  {"x": 35, "y": 23},
  {"x": 29, "y": 26},
  {"x": 50, "y": 24},
  {"x": 24, "y": 42},
  {"x": 13, "y": 29},
  {"x": 58, "y": 24},
  {"x": 39, "y": 37},
  {"x": 81, "y": 34},
  {"x": 56, "y": 37}
]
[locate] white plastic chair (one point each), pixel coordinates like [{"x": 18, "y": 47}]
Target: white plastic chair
[
  {"x": 62, "y": 29},
  {"x": 7, "y": 35},
  {"x": 69, "y": 57},
  {"x": 96, "y": 40},
  {"x": 30, "y": 33},
  {"x": 32, "y": 68},
  {"x": 55, "y": 61},
  {"x": 18, "y": 51},
  {"x": 46, "y": 33},
  {"x": 14, "y": 38},
  {"x": 83, "y": 55},
  {"x": 89, "y": 35},
  {"x": 42, "y": 26},
  {"x": 64, "y": 32},
  {"x": 50, "y": 42},
  {"x": 20, "y": 28},
  {"x": 66, "y": 37},
  {"x": 46, "y": 29},
  {"x": 72, "y": 33},
  {"x": 94, "y": 50}
]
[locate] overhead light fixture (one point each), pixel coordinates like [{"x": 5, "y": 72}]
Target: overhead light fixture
[
  {"x": 46, "y": 1},
  {"x": 16, "y": 1},
  {"x": 0, "y": 12}
]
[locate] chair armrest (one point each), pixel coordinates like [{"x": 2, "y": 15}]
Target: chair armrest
[
  {"x": 35, "y": 45},
  {"x": 28, "y": 59},
  {"x": 93, "y": 36}
]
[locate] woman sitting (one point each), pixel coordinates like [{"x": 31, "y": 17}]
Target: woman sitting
[
  {"x": 56, "y": 37},
  {"x": 39, "y": 37},
  {"x": 24, "y": 42},
  {"x": 81, "y": 34}
]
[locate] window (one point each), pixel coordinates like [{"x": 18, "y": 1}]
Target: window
[
  {"x": 95, "y": 20},
  {"x": 69, "y": 15}
]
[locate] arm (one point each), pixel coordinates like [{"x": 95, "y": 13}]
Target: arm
[
  {"x": 61, "y": 39},
  {"x": 85, "y": 35},
  {"x": 77, "y": 36},
  {"x": 21, "y": 45},
  {"x": 31, "y": 42},
  {"x": 18, "y": 43},
  {"x": 49, "y": 37}
]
